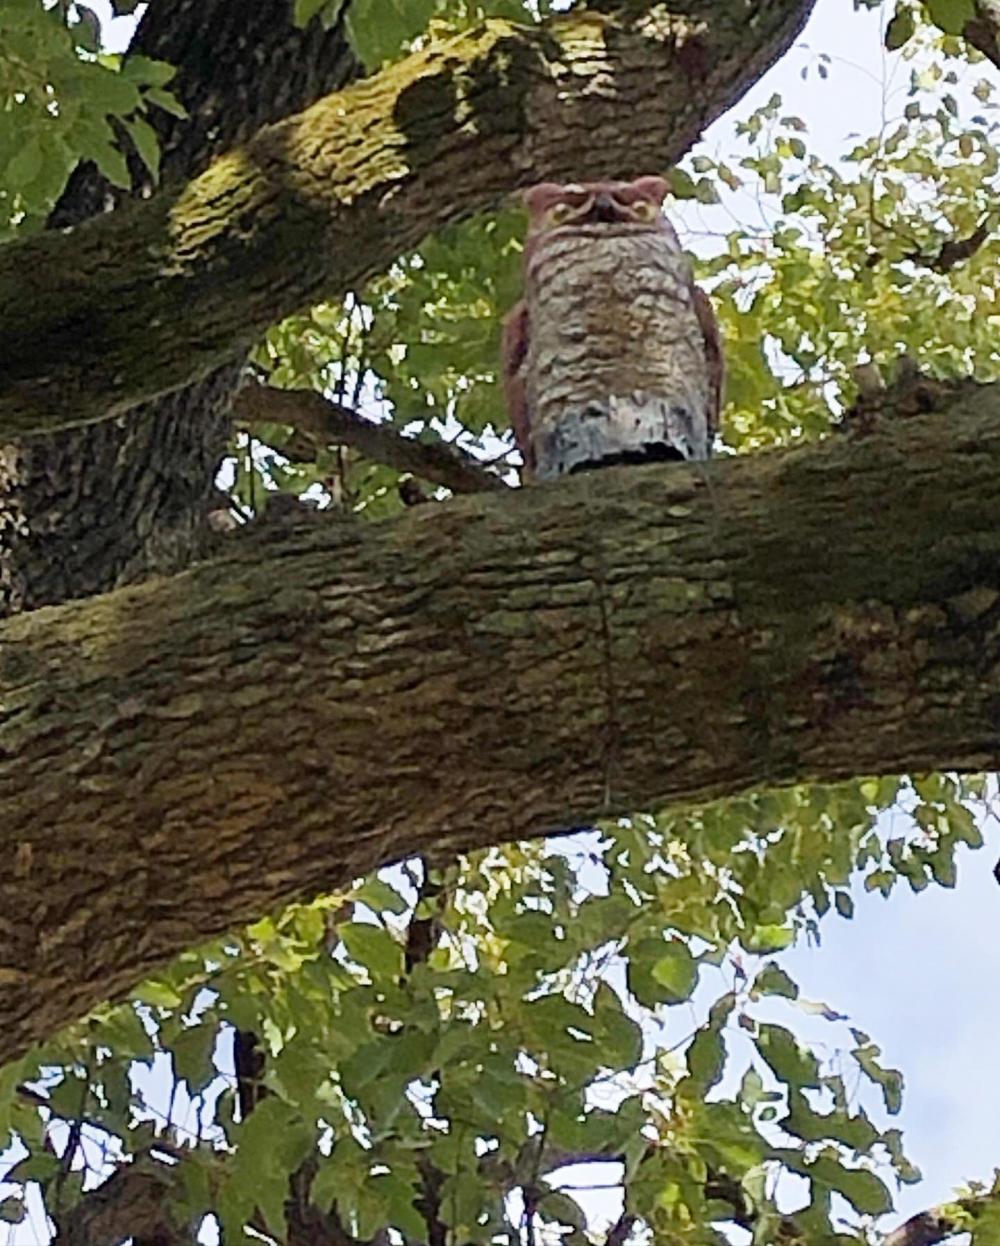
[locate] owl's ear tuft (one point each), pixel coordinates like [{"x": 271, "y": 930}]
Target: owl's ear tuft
[
  {"x": 543, "y": 195},
  {"x": 652, "y": 188}
]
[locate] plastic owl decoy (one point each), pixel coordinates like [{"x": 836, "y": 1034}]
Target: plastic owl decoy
[{"x": 613, "y": 355}]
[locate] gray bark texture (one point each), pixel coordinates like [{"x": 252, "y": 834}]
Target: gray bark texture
[{"x": 180, "y": 756}]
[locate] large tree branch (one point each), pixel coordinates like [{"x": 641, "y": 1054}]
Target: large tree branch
[
  {"x": 178, "y": 757},
  {"x": 158, "y": 293}
]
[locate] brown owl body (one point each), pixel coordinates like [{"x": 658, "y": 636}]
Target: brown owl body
[{"x": 613, "y": 355}]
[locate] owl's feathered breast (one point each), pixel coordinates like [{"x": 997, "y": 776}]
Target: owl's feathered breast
[{"x": 616, "y": 355}]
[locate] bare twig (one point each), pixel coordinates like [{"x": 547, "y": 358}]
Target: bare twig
[
  {"x": 954, "y": 251},
  {"x": 333, "y": 423},
  {"x": 929, "y": 1228}
]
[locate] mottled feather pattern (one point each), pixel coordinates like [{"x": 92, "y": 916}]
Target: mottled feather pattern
[{"x": 609, "y": 358}]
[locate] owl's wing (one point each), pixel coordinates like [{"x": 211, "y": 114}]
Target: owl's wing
[
  {"x": 514, "y": 354},
  {"x": 714, "y": 358}
]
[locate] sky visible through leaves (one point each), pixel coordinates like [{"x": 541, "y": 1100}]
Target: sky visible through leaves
[{"x": 916, "y": 972}]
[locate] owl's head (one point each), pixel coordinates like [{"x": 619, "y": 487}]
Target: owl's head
[{"x": 551, "y": 206}]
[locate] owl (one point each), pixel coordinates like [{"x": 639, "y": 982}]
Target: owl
[{"x": 613, "y": 355}]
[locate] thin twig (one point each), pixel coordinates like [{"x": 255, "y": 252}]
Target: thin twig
[{"x": 333, "y": 423}]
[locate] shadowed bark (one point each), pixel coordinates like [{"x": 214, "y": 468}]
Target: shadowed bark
[
  {"x": 81, "y": 511},
  {"x": 171, "y": 288},
  {"x": 983, "y": 31},
  {"x": 178, "y": 757}
]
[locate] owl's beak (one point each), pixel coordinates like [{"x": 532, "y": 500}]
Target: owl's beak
[{"x": 604, "y": 208}]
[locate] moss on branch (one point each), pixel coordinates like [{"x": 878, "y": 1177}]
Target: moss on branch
[
  {"x": 138, "y": 302},
  {"x": 179, "y": 757}
]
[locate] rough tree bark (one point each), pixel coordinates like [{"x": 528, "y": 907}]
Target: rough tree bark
[
  {"x": 983, "y": 31},
  {"x": 82, "y": 511},
  {"x": 311, "y": 207},
  {"x": 515, "y": 662}
]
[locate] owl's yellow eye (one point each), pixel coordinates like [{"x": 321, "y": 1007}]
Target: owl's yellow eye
[
  {"x": 643, "y": 210},
  {"x": 559, "y": 213}
]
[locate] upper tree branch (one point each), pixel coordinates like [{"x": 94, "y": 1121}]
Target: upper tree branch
[
  {"x": 138, "y": 302},
  {"x": 178, "y": 757}
]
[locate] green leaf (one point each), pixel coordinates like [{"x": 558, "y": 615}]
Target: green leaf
[
  {"x": 373, "y": 947},
  {"x": 890, "y": 1081},
  {"x": 951, "y": 15},
  {"x": 804, "y": 1122},
  {"x": 380, "y": 896},
  {"x": 862, "y": 1189},
  {"x": 113, "y": 165},
  {"x": 273, "y": 1142},
  {"x": 682, "y": 185},
  {"x": 192, "y": 1051},
  {"x": 12, "y": 1210},
  {"x": 339, "y": 1174},
  {"x": 306, "y": 10},
  {"x": 378, "y": 29},
  {"x": 41, "y": 1166},
  {"x": 157, "y": 994},
  {"x": 114, "y": 93},
  {"x": 167, "y": 101},
  {"x": 397, "y": 1192},
  {"x": 769, "y": 938},
  {"x": 706, "y": 1060},
  {"x": 123, "y": 1031},
  {"x": 562, "y": 1208},
  {"x": 147, "y": 72},
  {"x": 676, "y": 970},
  {"x": 900, "y": 29},
  {"x": 774, "y": 981},
  {"x": 843, "y": 904},
  {"x": 619, "y": 1037},
  {"x": 146, "y": 143},
  {"x": 752, "y": 1089},
  {"x": 25, "y": 166},
  {"x": 789, "y": 1062}
]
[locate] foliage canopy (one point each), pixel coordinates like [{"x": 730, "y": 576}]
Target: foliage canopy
[{"x": 429, "y": 1055}]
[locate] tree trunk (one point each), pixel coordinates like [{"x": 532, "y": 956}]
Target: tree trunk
[
  {"x": 172, "y": 288},
  {"x": 81, "y": 511},
  {"x": 178, "y": 757}
]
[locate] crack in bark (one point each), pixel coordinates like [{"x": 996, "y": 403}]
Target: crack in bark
[
  {"x": 210, "y": 719},
  {"x": 613, "y": 728}
]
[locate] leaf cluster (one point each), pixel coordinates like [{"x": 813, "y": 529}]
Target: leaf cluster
[
  {"x": 607, "y": 996},
  {"x": 61, "y": 101}
]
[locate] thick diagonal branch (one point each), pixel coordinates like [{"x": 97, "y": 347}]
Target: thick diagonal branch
[
  {"x": 178, "y": 757},
  {"x": 158, "y": 293}
]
